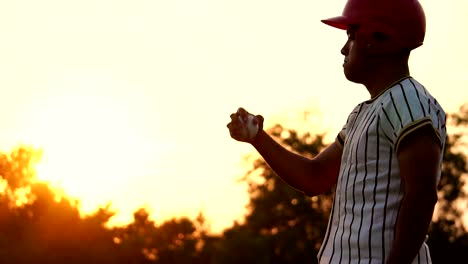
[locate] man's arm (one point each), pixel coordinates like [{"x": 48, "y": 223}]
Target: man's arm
[
  {"x": 311, "y": 176},
  {"x": 419, "y": 155}
]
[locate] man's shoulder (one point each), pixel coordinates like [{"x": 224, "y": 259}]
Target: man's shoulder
[{"x": 407, "y": 92}]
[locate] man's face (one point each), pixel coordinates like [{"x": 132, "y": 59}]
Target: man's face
[{"x": 356, "y": 61}]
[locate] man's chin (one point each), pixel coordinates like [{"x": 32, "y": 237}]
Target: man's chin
[{"x": 352, "y": 78}]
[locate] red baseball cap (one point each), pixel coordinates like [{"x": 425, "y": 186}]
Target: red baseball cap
[{"x": 402, "y": 20}]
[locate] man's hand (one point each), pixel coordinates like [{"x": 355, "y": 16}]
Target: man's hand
[{"x": 245, "y": 126}]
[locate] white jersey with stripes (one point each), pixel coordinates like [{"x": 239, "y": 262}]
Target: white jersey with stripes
[{"x": 368, "y": 191}]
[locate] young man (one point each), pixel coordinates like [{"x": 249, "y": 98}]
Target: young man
[{"x": 386, "y": 161}]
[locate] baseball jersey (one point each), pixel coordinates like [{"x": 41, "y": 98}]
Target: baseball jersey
[{"x": 368, "y": 190}]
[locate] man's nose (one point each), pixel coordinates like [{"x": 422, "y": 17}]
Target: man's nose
[{"x": 344, "y": 50}]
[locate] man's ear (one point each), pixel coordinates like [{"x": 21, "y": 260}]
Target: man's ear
[
  {"x": 367, "y": 41},
  {"x": 380, "y": 36},
  {"x": 379, "y": 43}
]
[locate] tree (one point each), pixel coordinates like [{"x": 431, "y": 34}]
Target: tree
[
  {"x": 142, "y": 241},
  {"x": 448, "y": 239},
  {"x": 36, "y": 227}
]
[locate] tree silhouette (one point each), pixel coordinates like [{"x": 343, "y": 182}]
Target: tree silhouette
[
  {"x": 142, "y": 241},
  {"x": 38, "y": 227},
  {"x": 448, "y": 238}
]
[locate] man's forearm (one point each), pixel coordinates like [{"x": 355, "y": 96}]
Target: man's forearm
[
  {"x": 300, "y": 172},
  {"x": 413, "y": 222}
]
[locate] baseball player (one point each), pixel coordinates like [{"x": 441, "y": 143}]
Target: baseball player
[{"x": 386, "y": 161}]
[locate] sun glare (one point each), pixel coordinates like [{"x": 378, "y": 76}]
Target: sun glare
[{"x": 90, "y": 149}]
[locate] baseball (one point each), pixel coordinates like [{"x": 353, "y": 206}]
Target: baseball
[{"x": 249, "y": 128}]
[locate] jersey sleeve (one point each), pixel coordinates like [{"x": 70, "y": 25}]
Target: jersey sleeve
[{"x": 408, "y": 108}]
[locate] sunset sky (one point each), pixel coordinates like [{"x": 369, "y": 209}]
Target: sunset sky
[{"x": 130, "y": 99}]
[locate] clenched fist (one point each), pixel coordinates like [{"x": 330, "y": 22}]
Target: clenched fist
[{"x": 245, "y": 126}]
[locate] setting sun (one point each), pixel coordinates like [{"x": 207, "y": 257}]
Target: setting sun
[{"x": 88, "y": 145}]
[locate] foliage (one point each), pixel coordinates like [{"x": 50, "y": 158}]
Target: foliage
[
  {"x": 448, "y": 238},
  {"x": 144, "y": 242},
  {"x": 42, "y": 228}
]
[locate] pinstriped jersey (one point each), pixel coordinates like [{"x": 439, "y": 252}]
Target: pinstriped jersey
[{"x": 368, "y": 190}]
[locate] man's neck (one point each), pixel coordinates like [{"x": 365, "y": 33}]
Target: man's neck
[{"x": 383, "y": 78}]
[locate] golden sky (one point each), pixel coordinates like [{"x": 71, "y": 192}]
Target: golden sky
[{"x": 130, "y": 99}]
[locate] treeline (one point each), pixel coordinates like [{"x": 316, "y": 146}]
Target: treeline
[{"x": 281, "y": 226}]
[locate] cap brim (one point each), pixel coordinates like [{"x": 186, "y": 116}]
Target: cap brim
[{"x": 340, "y": 22}]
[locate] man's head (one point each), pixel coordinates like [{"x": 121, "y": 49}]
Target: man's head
[
  {"x": 381, "y": 34},
  {"x": 394, "y": 25}
]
